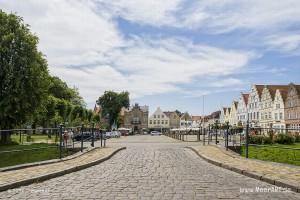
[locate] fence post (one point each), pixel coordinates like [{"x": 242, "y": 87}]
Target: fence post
[
  {"x": 101, "y": 137},
  {"x": 60, "y": 140},
  {"x": 216, "y": 135},
  {"x": 227, "y": 132},
  {"x": 208, "y": 134},
  {"x": 203, "y": 133},
  {"x": 81, "y": 148},
  {"x": 93, "y": 138},
  {"x": 247, "y": 139}
]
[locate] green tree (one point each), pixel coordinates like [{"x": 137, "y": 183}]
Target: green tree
[
  {"x": 24, "y": 77},
  {"x": 112, "y": 103}
]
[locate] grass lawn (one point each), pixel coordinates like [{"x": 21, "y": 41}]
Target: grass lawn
[
  {"x": 269, "y": 153},
  {"x": 34, "y": 138},
  {"x": 16, "y": 158}
]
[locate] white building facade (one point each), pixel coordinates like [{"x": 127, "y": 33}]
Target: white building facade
[
  {"x": 158, "y": 120},
  {"x": 253, "y": 105},
  {"x": 242, "y": 111},
  {"x": 186, "y": 120},
  {"x": 233, "y": 120},
  {"x": 278, "y": 109}
]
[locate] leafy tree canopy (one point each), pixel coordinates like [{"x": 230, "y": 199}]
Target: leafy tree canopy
[
  {"x": 111, "y": 103},
  {"x": 23, "y": 72}
]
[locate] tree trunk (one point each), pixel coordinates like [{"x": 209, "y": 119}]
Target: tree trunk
[{"x": 5, "y": 137}]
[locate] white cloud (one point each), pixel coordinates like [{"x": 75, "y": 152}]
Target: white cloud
[
  {"x": 78, "y": 33},
  {"x": 152, "y": 12},
  {"x": 214, "y": 15},
  {"x": 228, "y": 15},
  {"x": 70, "y": 32},
  {"x": 154, "y": 66},
  {"x": 229, "y": 82},
  {"x": 287, "y": 42}
]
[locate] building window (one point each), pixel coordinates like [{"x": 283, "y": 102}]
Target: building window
[
  {"x": 277, "y": 105},
  {"x": 162, "y": 116},
  {"x": 280, "y": 116},
  {"x": 276, "y": 116},
  {"x": 154, "y": 116},
  {"x": 150, "y": 121},
  {"x": 158, "y": 121},
  {"x": 158, "y": 116},
  {"x": 270, "y": 115},
  {"x": 166, "y": 121},
  {"x": 154, "y": 122},
  {"x": 162, "y": 121}
]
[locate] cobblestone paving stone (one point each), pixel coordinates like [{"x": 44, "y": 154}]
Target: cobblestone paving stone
[
  {"x": 276, "y": 171},
  {"x": 151, "y": 170}
]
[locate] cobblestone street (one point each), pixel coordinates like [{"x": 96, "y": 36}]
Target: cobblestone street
[{"x": 152, "y": 167}]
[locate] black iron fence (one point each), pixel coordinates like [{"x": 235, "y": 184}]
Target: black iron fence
[
  {"x": 30, "y": 145},
  {"x": 273, "y": 144}
]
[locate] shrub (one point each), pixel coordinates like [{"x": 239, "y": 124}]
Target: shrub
[
  {"x": 267, "y": 140},
  {"x": 260, "y": 139},
  {"x": 297, "y": 136},
  {"x": 271, "y": 135},
  {"x": 284, "y": 138},
  {"x": 256, "y": 139}
]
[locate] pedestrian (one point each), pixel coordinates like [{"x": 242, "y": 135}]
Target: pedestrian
[{"x": 66, "y": 137}]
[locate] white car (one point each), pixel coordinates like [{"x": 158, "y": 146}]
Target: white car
[
  {"x": 108, "y": 134},
  {"x": 155, "y": 133},
  {"x": 115, "y": 134}
]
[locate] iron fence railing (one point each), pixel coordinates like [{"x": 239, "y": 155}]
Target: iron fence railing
[
  {"x": 63, "y": 140},
  {"x": 248, "y": 141}
]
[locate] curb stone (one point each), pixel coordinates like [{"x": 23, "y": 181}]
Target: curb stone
[
  {"x": 44, "y": 177},
  {"x": 46, "y": 162},
  {"x": 279, "y": 183}
]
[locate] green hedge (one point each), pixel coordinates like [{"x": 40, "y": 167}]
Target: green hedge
[
  {"x": 282, "y": 138},
  {"x": 259, "y": 139}
]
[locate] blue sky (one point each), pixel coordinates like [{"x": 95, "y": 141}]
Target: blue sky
[{"x": 167, "y": 53}]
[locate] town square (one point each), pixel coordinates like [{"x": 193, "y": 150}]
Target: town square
[{"x": 145, "y": 99}]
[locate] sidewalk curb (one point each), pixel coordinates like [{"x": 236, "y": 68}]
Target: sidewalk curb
[
  {"x": 59, "y": 173},
  {"x": 45, "y": 162},
  {"x": 279, "y": 183}
]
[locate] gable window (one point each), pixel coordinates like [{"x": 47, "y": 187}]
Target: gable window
[{"x": 280, "y": 116}]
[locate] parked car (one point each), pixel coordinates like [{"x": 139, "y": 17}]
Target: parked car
[
  {"x": 155, "y": 133},
  {"x": 108, "y": 134},
  {"x": 86, "y": 136},
  {"x": 115, "y": 134}
]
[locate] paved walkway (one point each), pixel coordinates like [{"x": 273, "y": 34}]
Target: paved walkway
[
  {"x": 14, "y": 176},
  {"x": 274, "y": 171},
  {"x": 152, "y": 167}
]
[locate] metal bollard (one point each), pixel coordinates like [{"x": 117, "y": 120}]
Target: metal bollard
[
  {"x": 81, "y": 148},
  {"x": 60, "y": 140}
]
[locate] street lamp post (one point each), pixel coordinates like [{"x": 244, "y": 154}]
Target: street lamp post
[
  {"x": 216, "y": 127},
  {"x": 93, "y": 138}
]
